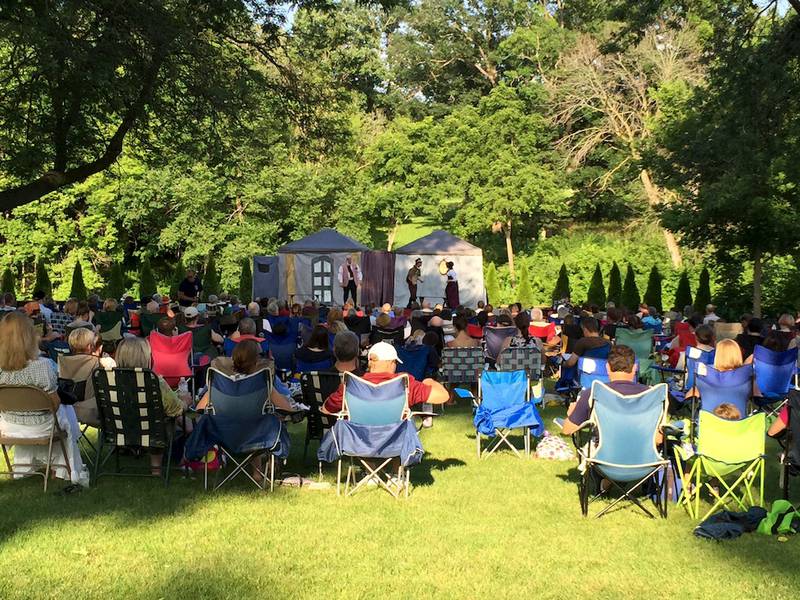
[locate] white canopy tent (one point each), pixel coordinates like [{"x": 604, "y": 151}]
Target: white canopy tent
[{"x": 433, "y": 249}]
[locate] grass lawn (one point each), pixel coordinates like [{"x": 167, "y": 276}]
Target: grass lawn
[{"x": 500, "y": 527}]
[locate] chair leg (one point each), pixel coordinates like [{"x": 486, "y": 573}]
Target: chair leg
[
  {"x": 170, "y": 439},
  {"x": 339, "y": 477},
  {"x": 8, "y": 461},
  {"x": 271, "y": 472}
]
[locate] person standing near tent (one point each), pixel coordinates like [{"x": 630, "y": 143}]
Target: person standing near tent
[
  {"x": 349, "y": 279},
  {"x": 451, "y": 288},
  {"x": 412, "y": 279}
]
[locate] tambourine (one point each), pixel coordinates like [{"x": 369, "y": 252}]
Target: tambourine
[{"x": 443, "y": 267}]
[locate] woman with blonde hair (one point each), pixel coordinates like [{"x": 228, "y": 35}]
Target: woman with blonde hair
[
  {"x": 728, "y": 356},
  {"x": 21, "y": 364}
]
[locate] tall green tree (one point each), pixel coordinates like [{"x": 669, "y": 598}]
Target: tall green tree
[
  {"x": 524, "y": 289},
  {"x": 116, "y": 281},
  {"x": 211, "y": 277},
  {"x": 177, "y": 276},
  {"x": 42, "y": 278},
  {"x": 246, "y": 282},
  {"x": 78, "y": 288},
  {"x": 683, "y": 293},
  {"x": 652, "y": 293},
  {"x": 597, "y": 291},
  {"x": 703, "y": 296},
  {"x": 630, "y": 292},
  {"x": 8, "y": 285},
  {"x": 147, "y": 281},
  {"x": 492, "y": 284},
  {"x": 562, "y": 289},
  {"x": 615, "y": 285}
]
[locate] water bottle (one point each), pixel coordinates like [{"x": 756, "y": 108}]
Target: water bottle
[{"x": 183, "y": 386}]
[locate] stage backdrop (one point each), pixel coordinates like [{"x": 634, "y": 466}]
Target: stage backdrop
[
  {"x": 309, "y": 267},
  {"x": 432, "y": 249}
]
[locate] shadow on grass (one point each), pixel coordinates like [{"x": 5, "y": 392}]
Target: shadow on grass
[{"x": 422, "y": 474}]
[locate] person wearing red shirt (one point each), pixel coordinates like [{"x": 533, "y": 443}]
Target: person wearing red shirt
[{"x": 382, "y": 367}]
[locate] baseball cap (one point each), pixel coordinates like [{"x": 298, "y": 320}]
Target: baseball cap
[
  {"x": 212, "y": 300},
  {"x": 383, "y": 351},
  {"x": 33, "y": 308},
  {"x": 191, "y": 312}
]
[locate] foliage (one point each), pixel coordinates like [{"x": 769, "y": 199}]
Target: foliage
[
  {"x": 615, "y": 284},
  {"x": 116, "y": 282},
  {"x": 147, "y": 281},
  {"x": 246, "y": 282},
  {"x": 78, "y": 287},
  {"x": 652, "y": 294},
  {"x": 703, "y": 295},
  {"x": 211, "y": 277},
  {"x": 524, "y": 290},
  {"x": 42, "y": 278},
  {"x": 177, "y": 276},
  {"x": 491, "y": 283},
  {"x": 630, "y": 291},
  {"x": 683, "y": 294},
  {"x": 597, "y": 291},
  {"x": 562, "y": 289},
  {"x": 8, "y": 284}
]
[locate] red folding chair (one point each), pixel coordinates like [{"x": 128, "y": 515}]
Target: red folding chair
[
  {"x": 172, "y": 357},
  {"x": 475, "y": 331}
]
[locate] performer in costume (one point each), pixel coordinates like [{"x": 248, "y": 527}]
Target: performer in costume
[
  {"x": 451, "y": 288},
  {"x": 412, "y": 279},
  {"x": 349, "y": 279}
]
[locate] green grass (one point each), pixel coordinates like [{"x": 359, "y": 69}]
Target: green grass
[{"x": 501, "y": 527}]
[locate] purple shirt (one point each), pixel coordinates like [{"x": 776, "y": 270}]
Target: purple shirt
[{"x": 581, "y": 413}]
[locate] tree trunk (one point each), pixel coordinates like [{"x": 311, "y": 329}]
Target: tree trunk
[
  {"x": 757, "y": 277},
  {"x": 652, "y": 199},
  {"x": 392, "y": 235},
  {"x": 510, "y": 252}
]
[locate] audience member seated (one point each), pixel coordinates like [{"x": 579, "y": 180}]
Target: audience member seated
[
  {"x": 704, "y": 335},
  {"x": 728, "y": 411},
  {"x": 572, "y": 331},
  {"x": 85, "y": 349},
  {"x": 613, "y": 321},
  {"x": 316, "y": 349},
  {"x": 728, "y": 356},
  {"x": 383, "y": 367},
  {"x": 203, "y": 336},
  {"x": 20, "y": 364},
  {"x": 346, "y": 348},
  {"x": 246, "y": 330},
  {"x": 462, "y": 339},
  {"x": 523, "y": 338},
  {"x": 711, "y": 315},
  {"x": 786, "y": 329},
  {"x": 167, "y": 327},
  {"x": 590, "y": 343},
  {"x": 750, "y": 337},
  {"x": 651, "y": 320},
  {"x": 621, "y": 367},
  {"x": 60, "y": 320}
]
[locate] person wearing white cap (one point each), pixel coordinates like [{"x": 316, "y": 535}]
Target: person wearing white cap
[
  {"x": 203, "y": 337},
  {"x": 383, "y": 362}
]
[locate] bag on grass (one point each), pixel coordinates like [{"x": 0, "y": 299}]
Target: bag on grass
[{"x": 553, "y": 447}]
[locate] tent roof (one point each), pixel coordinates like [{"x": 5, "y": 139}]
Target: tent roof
[
  {"x": 324, "y": 240},
  {"x": 441, "y": 243}
]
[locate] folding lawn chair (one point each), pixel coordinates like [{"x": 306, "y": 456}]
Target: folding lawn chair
[
  {"x": 790, "y": 443},
  {"x": 75, "y": 371},
  {"x": 515, "y": 359},
  {"x": 132, "y": 416},
  {"x": 461, "y": 365},
  {"x": 625, "y": 453},
  {"x": 24, "y": 398},
  {"x": 775, "y": 373},
  {"x": 172, "y": 357},
  {"x": 302, "y": 366},
  {"x": 591, "y": 370},
  {"x": 317, "y": 386},
  {"x": 390, "y": 336},
  {"x": 724, "y": 448},
  {"x": 148, "y": 322},
  {"x": 240, "y": 422},
  {"x": 718, "y": 387},
  {"x": 495, "y": 338},
  {"x": 415, "y": 360},
  {"x": 504, "y": 404},
  {"x": 110, "y": 323},
  {"x": 373, "y": 428},
  {"x": 641, "y": 342},
  {"x": 229, "y": 345}
]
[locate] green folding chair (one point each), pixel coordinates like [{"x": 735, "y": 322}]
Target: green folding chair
[
  {"x": 641, "y": 342},
  {"x": 725, "y": 449}
]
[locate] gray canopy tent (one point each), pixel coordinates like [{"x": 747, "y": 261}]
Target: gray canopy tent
[
  {"x": 308, "y": 268},
  {"x": 433, "y": 249}
]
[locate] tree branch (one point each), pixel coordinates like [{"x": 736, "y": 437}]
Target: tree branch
[
  {"x": 795, "y": 5},
  {"x": 55, "y": 179}
]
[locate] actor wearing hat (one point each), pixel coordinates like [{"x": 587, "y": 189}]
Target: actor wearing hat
[
  {"x": 382, "y": 367},
  {"x": 412, "y": 279}
]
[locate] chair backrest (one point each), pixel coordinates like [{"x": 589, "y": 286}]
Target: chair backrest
[
  {"x": 591, "y": 370},
  {"x": 240, "y": 397},
  {"x": 730, "y": 387},
  {"x": 283, "y": 354},
  {"x": 500, "y": 390},
  {"x": 130, "y": 407},
  {"x": 731, "y": 442},
  {"x": 415, "y": 360},
  {"x": 108, "y": 320},
  {"x": 368, "y": 403},
  {"x": 358, "y": 325},
  {"x": 514, "y": 359},
  {"x": 317, "y": 386},
  {"x": 391, "y": 336},
  {"x": 727, "y": 331},
  {"x": 774, "y": 371},
  {"x": 627, "y": 427},
  {"x": 638, "y": 340},
  {"x": 172, "y": 356},
  {"x": 475, "y": 331},
  {"x": 598, "y": 352},
  {"x": 78, "y": 368},
  {"x": 148, "y": 322},
  {"x": 302, "y": 366},
  {"x": 495, "y": 338},
  {"x": 22, "y": 398},
  {"x": 695, "y": 356},
  {"x": 461, "y": 365},
  {"x": 543, "y": 332}
]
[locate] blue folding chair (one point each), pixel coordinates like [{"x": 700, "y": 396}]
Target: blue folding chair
[
  {"x": 625, "y": 453},
  {"x": 692, "y": 357},
  {"x": 504, "y": 404},
  {"x": 240, "y": 409},
  {"x": 730, "y": 387},
  {"x": 229, "y": 344},
  {"x": 591, "y": 370},
  {"x": 282, "y": 349},
  {"x": 775, "y": 372},
  {"x": 302, "y": 366},
  {"x": 415, "y": 360}
]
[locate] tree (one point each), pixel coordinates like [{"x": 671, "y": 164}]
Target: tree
[
  {"x": 703, "y": 296},
  {"x": 630, "y": 293},
  {"x": 147, "y": 281},
  {"x": 42, "y": 281},
  {"x": 492, "y": 285},
  {"x": 562, "y": 289},
  {"x": 177, "y": 276},
  {"x": 524, "y": 290},
  {"x": 597, "y": 291},
  {"x": 78, "y": 288},
  {"x": 8, "y": 285},
  {"x": 211, "y": 277},
  {"x": 652, "y": 294},
  {"x": 615, "y": 285},
  {"x": 246, "y": 282},
  {"x": 683, "y": 293},
  {"x": 116, "y": 281}
]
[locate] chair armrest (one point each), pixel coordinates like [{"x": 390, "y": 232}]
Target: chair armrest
[{"x": 423, "y": 413}]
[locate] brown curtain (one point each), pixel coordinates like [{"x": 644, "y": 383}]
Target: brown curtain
[{"x": 378, "y": 284}]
